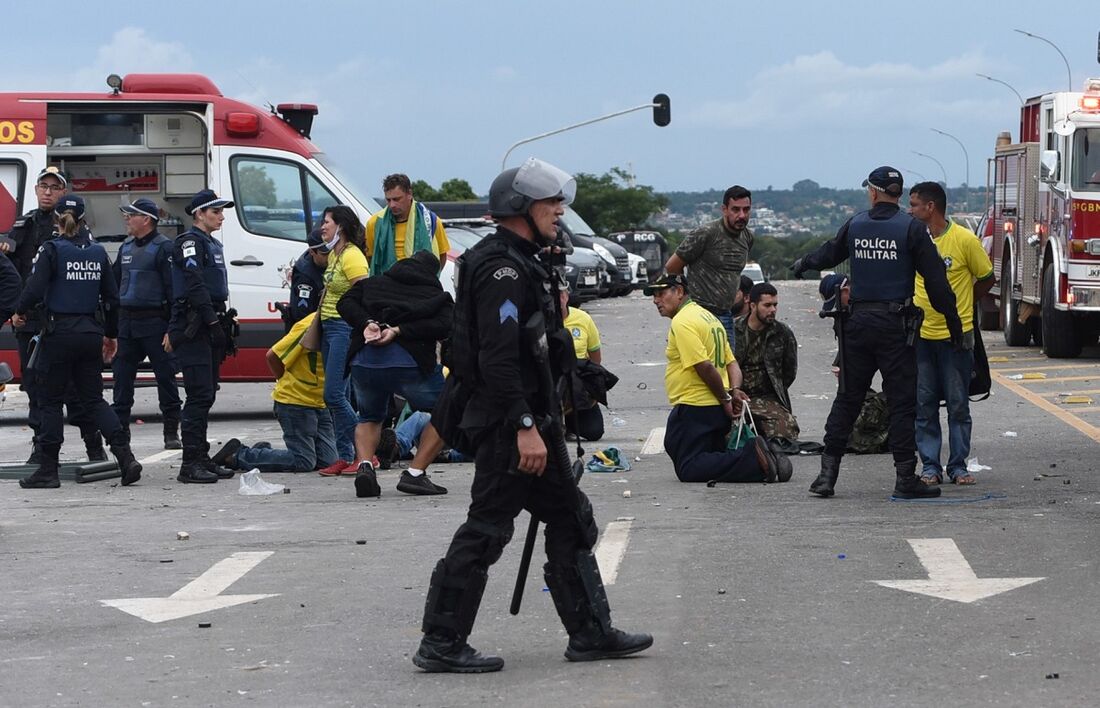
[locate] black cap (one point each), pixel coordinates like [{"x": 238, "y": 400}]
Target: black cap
[
  {"x": 314, "y": 239},
  {"x": 72, "y": 203},
  {"x": 206, "y": 199},
  {"x": 142, "y": 207},
  {"x": 886, "y": 179},
  {"x": 667, "y": 280}
]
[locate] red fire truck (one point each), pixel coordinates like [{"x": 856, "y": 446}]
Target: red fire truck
[
  {"x": 166, "y": 136},
  {"x": 1045, "y": 223}
]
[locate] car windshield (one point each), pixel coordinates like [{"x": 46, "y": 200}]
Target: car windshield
[
  {"x": 461, "y": 239},
  {"x": 575, "y": 223},
  {"x": 1086, "y": 159}
]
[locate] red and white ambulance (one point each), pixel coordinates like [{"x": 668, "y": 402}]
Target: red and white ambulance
[{"x": 166, "y": 136}]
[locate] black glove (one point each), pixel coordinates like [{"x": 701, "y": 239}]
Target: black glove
[
  {"x": 217, "y": 335},
  {"x": 955, "y": 327},
  {"x": 798, "y": 269}
]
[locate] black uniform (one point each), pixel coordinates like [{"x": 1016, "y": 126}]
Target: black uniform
[
  {"x": 10, "y": 286},
  {"x": 199, "y": 290},
  {"x": 306, "y": 284},
  {"x": 71, "y": 278},
  {"x": 29, "y": 233},
  {"x": 885, "y": 248},
  {"x": 501, "y": 287},
  {"x": 143, "y": 270}
]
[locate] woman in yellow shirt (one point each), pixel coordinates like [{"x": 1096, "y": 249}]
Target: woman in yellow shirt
[{"x": 342, "y": 233}]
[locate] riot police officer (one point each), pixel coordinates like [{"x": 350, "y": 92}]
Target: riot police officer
[
  {"x": 200, "y": 289},
  {"x": 29, "y": 232},
  {"x": 885, "y": 247},
  {"x": 71, "y": 278},
  {"x": 495, "y": 403},
  {"x": 143, "y": 270},
  {"x": 307, "y": 280}
]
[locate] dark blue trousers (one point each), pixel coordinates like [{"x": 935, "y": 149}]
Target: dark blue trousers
[
  {"x": 695, "y": 439},
  {"x": 131, "y": 352}
]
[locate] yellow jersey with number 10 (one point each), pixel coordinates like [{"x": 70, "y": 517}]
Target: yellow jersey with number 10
[{"x": 695, "y": 336}]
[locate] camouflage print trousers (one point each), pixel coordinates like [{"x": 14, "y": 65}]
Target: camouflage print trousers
[{"x": 772, "y": 419}]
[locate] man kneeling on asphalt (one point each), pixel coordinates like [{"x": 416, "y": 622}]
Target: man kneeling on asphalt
[
  {"x": 768, "y": 357},
  {"x": 397, "y": 321},
  {"x": 300, "y": 407},
  {"x": 698, "y": 379}
]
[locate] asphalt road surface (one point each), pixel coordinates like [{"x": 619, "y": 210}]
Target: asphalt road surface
[{"x": 757, "y": 595}]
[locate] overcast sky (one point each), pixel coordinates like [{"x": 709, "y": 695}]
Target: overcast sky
[{"x": 763, "y": 93}]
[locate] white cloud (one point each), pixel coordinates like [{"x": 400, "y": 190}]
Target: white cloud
[
  {"x": 823, "y": 89},
  {"x": 132, "y": 50}
]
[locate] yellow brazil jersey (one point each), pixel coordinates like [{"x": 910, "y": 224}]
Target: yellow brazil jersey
[
  {"x": 586, "y": 338},
  {"x": 966, "y": 260},
  {"x": 695, "y": 336},
  {"x": 303, "y": 383},
  {"x": 442, "y": 245},
  {"x": 341, "y": 271}
]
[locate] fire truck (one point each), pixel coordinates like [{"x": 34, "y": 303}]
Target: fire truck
[
  {"x": 167, "y": 136},
  {"x": 1044, "y": 220}
]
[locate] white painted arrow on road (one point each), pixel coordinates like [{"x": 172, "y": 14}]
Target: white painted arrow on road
[
  {"x": 950, "y": 576},
  {"x": 200, "y": 595}
]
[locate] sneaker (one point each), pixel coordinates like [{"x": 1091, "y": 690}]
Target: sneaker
[
  {"x": 387, "y": 449},
  {"x": 420, "y": 485},
  {"x": 366, "y": 481},
  {"x": 227, "y": 455},
  {"x": 351, "y": 469},
  {"x": 334, "y": 469}
]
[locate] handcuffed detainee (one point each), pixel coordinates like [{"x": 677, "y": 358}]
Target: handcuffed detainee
[
  {"x": 197, "y": 331},
  {"x": 500, "y": 398},
  {"x": 885, "y": 248},
  {"x": 71, "y": 278}
]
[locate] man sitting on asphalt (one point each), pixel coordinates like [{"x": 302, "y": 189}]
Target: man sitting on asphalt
[
  {"x": 300, "y": 407},
  {"x": 397, "y": 320},
  {"x": 702, "y": 380},
  {"x": 768, "y": 355},
  {"x": 590, "y": 380}
]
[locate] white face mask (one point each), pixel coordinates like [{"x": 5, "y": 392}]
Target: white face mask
[{"x": 329, "y": 245}]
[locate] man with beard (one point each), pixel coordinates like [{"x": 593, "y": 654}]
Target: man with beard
[
  {"x": 769, "y": 363},
  {"x": 741, "y": 299},
  {"x": 714, "y": 256}
]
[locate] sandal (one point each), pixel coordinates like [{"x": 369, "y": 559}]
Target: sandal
[
  {"x": 932, "y": 479},
  {"x": 965, "y": 478}
]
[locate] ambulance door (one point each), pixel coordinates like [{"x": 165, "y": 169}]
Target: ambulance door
[{"x": 278, "y": 200}]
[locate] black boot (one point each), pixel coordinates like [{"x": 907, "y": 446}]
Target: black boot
[
  {"x": 93, "y": 443},
  {"x": 581, "y": 602},
  {"x": 449, "y": 614},
  {"x": 45, "y": 477},
  {"x": 130, "y": 467},
  {"x": 193, "y": 471},
  {"x": 826, "y": 479},
  {"x": 35, "y": 457},
  {"x": 216, "y": 469},
  {"x": 775, "y": 465},
  {"x": 227, "y": 456},
  {"x": 908, "y": 485},
  {"x": 172, "y": 435}
]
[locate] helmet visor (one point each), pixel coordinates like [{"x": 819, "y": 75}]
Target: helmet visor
[{"x": 541, "y": 180}]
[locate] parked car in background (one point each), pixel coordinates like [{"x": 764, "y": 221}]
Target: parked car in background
[
  {"x": 754, "y": 271},
  {"x": 639, "y": 269},
  {"x": 586, "y": 273},
  {"x": 581, "y": 234}
]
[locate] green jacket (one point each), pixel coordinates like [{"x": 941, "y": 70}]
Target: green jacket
[{"x": 780, "y": 358}]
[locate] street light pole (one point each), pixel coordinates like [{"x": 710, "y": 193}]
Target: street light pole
[
  {"x": 935, "y": 161},
  {"x": 1004, "y": 83},
  {"x": 1069, "y": 74},
  {"x": 659, "y": 104},
  {"x": 966, "y": 156},
  {"x": 913, "y": 172}
]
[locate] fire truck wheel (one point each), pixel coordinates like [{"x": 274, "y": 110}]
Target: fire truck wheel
[
  {"x": 1015, "y": 333},
  {"x": 1060, "y": 337}
]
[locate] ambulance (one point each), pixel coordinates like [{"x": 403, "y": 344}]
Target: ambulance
[{"x": 165, "y": 137}]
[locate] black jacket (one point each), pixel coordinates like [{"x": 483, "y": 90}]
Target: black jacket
[{"x": 408, "y": 295}]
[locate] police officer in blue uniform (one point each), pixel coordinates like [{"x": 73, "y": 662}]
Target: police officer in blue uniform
[
  {"x": 885, "y": 248},
  {"x": 497, "y": 393},
  {"x": 71, "y": 278},
  {"x": 200, "y": 289},
  {"x": 10, "y": 286},
  {"x": 307, "y": 280},
  {"x": 35, "y": 228},
  {"x": 143, "y": 270}
]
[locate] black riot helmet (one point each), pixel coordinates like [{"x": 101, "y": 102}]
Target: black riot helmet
[{"x": 514, "y": 190}]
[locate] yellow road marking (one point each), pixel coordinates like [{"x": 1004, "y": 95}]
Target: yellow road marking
[
  {"x": 1045, "y": 368},
  {"x": 1070, "y": 393},
  {"x": 1091, "y": 431},
  {"x": 1056, "y": 379},
  {"x": 1001, "y": 359}
]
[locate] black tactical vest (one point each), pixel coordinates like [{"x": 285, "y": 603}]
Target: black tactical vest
[{"x": 878, "y": 251}]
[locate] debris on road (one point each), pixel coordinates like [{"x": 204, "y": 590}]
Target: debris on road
[
  {"x": 182, "y": 536},
  {"x": 252, "y": 484},
  {"x": 1009, "y": 434}
]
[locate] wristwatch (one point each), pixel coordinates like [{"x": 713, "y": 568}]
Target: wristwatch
[{"x": 525, "y": 422}]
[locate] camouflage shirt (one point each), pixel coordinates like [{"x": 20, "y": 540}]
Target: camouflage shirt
[
  {"x": 715, "y": 257},
  {"x": 768, "y": 359}
]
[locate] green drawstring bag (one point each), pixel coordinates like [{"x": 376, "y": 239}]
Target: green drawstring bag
[{"x": 744, "y": 430}]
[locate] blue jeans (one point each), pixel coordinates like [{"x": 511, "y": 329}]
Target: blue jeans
[
  {"x": 408, "y": 434},
  {"x": 726, "y": 318},
  {"x": 375, "y": 387},
  {"x": 335, "y": 342},
  {"x": 307, "y": 434},
  {"x": 943, "y": 375}
]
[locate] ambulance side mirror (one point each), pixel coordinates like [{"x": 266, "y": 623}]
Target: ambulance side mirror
[{"x": 1048, "y": 166}]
